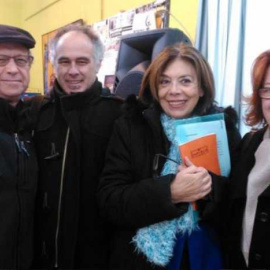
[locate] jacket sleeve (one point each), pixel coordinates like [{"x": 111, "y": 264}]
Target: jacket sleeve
[
  {"x": 127, "y": 201},
  {"x": 213, "y": 207}
]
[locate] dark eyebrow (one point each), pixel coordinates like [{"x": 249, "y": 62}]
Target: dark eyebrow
[
  {"x": 63, "y": 58},
  {"x": 182, "y": 76},
  {"x": 82, "y": 57},
  {"x": 19, "y": 55},
  {"x": 186, "y": 76},
  {"x": 79, "y": 58},
  {"x": 22, "y": 55}
]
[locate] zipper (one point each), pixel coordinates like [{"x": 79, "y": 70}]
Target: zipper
[
  {"x": 18, "y": 151},
  {"x": 60, "y": 199},
  {"x": 21, "y": 154},
  {"x": 20, "y": 145}
]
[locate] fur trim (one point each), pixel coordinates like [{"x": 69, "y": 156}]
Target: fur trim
[
  {"x": 133, "y": 106},
  {"x": 231, "y": 114}
]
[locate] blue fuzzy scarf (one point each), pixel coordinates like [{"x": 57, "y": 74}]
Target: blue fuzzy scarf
[{"x": 157, "y": 241}]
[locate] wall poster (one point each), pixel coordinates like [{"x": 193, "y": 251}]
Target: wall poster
[{"x": 146, "y": 17}]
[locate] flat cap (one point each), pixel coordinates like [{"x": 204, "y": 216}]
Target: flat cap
[{"x": 17, "y": 35}]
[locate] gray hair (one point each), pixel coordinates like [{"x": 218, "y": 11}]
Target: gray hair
[{"x": 98, "y": 46}]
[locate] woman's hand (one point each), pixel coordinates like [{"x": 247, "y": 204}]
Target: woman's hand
[{"x": 190, "y": 184}]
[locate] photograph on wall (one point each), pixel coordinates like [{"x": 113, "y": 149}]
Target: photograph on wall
[{"x": 48, "y": 73}]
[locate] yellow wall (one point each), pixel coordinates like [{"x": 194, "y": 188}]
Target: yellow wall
[
  {"x": 42, "y": 16},
  {"x": 184, "y": 16},
  {"x": 112, "y": 7},
  {"x": 10, "y": 12}
]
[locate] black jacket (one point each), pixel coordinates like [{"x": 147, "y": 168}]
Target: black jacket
[
  {"x": 259, "y": 256},
  {"x": 18, "y": 179},
  {"x": 71, "y": 139},
  {"x": 130, "y": 197}
]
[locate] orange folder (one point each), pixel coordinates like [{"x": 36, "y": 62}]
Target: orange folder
[{"x": 202, "y": 152}]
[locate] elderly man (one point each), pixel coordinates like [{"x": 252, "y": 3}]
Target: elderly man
[
  {"x": 72, "y": 135},
  {"x": 18, "y": 169}
]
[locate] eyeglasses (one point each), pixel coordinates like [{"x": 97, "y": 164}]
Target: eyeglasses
[
  {"x": 264, "y": 92},
  {"x": 156, "y": 163},
  {"x": 20, "y": 60}
]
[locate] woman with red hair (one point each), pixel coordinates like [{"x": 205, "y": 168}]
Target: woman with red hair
[{"x": 250, "y": 183}]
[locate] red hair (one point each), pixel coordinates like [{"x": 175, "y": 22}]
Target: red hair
[{"x": 254, "y": 115}]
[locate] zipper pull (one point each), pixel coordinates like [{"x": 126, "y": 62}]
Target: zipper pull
[
  {"x": 20, "y": 145},
  {"x": 17, "y": 141},
  {"x": 53, "y": 154},
  {"x": 24, "y": 149}
]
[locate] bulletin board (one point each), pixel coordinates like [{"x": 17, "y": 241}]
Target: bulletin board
[
  {"x": 48, "y": 73},
  {"x": 146, "y": 17}
]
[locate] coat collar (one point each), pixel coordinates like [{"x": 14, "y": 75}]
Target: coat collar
[
  {"x": 67, "y": 104},
  {"x": 77, "y": 100},
  {"x": 9, "y": 116},
  {"x": 241, "y": 170},
  {"x": 160, "y": 141}
]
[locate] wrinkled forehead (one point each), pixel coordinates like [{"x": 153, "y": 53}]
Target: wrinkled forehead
[{"x": 13, "y": 49}]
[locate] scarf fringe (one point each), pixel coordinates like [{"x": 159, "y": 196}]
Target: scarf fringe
[{"x": 157, "y": 241}]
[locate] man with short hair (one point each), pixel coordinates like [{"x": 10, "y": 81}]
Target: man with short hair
[
  {"x": 18, "y": 166},
  {"x": 72, "y": 135}
]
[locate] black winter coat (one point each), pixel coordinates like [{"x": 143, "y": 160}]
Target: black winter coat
[
  {"x": 130, "y": 197},
  {"x": 18, "y": 180},
  {"x": 71, "y": 139},
  {"x": 259, "y": 256}
]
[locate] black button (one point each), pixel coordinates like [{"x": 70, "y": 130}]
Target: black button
[
  {"x": 263, "y": 217},
  {"x": 258, "y": 257}
]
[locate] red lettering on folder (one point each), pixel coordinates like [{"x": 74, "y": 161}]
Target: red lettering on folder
[{"x": 202, "y": 152}]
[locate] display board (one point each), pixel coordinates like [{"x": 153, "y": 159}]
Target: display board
[{"x": 144, "y": 18}]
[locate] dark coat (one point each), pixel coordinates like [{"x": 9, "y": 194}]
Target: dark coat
[
  {"x": 130, "y": 197},
  {"x": 72, "y": 135},
  {"x": 259, "y": 256},
  {"x": 18, "y": 180}
]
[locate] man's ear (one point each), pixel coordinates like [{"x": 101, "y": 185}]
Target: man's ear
[
  {"x": 98, "y": 65},
  {"x": 54, "y": 68}
]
